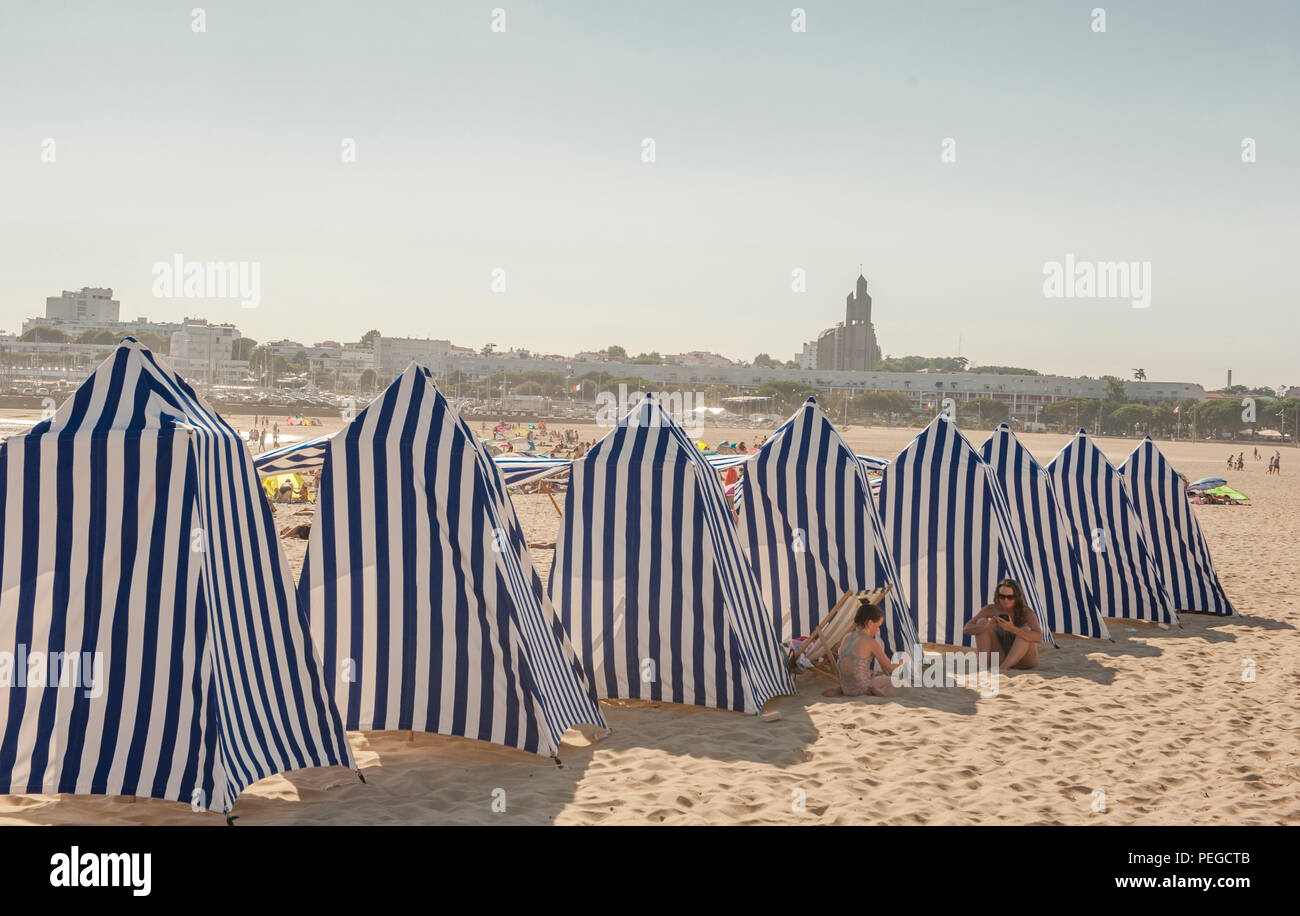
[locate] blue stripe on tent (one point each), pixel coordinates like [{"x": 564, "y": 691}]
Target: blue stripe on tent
[
  {"x": 1048, "y": 539},
  {"x": 135, "y": 528},
  {"x": 811, "y": 530},
  {"x": 421, "y": 589},
  {"x": 1108, "y": 533},
  {"x": 949, "y": 530},
  {"x": 1173, "y": 534},
  {"x": 645, "y": 490}
]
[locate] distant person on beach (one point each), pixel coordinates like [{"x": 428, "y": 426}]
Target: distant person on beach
[
  {"x": 856, "y": 651},
  {"x": 1008, "y": 628}
]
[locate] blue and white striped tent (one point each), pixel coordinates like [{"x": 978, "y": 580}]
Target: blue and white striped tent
[
  {"x": 518, "y": 471},
  {"x": 1173, "y": 534},
  {"x": 423, "y": 597},
  {"x": 650, "y": 580},
  {"x": 293, "y": 457},
  {"x": 135, "y": 534},
  {"x": 811, "y": 530},
  {"x": 1048, "y": 539},
  {"x": 951, "y": 534},
  {"x": 1110, "y": 537}
]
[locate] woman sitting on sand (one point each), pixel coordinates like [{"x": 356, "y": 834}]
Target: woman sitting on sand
[
  {"x": 856, "y": 650},
  {"x": 1007, "y": 628}
]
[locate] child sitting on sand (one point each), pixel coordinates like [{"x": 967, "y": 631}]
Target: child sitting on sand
[{"x": 856, "y": 650}]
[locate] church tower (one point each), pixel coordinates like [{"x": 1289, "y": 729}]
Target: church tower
[
  {"x": 858, "y": 304},
  {"x": 851, "y": 345}
]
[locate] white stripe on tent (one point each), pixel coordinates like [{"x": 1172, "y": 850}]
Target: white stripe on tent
[
  {"x": 951, "y": 534},
  {"x": 1047, "y": 537},
  {"x": 1109, "y": 534},
  {"x": 649, "y": 578},
  {"x": 133, "y": 525},
  {"x": 1173, "y": 533},
  {"x": 422, "y": 593},
  {"x": 812, "y": 532}
]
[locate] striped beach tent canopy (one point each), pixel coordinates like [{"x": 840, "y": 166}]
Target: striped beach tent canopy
[
  {"x": 812, "y": 532},
  {"x": 1173, "y": 534},
  {"x": 517, "y": 471},
  {"x": 650, "y": 580},
  {"x": 1109, "y": 534},
  {"x": 1048, "y": 538},
  {"x": 139, "y": 557},
  {"x": 951, "y": 534},
  {"x": 724, "y": 462},
  {"x": 422, "y": 594},
  {"x": 308, "y": 455},
  {"x": 295, "y": 457}
]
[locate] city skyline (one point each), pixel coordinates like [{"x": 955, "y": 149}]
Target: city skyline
[
  {"x": 61, "y": 315},
  {"x": 775, "y": 151}
]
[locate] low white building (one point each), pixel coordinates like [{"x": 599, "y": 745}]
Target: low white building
[
  {"x": 347, "y": 361},
  {"x": 698, "y": 358},
  {"x": 203, "y": 354},
  {"x": 394, "y": 354}
]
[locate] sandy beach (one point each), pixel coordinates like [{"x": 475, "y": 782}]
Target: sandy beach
[{"x": 1158, "y": 727}]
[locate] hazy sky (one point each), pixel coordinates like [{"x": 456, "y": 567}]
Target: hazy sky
[{"x": 775, "y": 150}]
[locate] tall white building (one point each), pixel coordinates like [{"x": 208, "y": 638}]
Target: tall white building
[{"x": 91, "y": 305}]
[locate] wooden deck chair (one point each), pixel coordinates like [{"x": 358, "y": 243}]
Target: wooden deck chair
[{"x": 820, "y": 646}]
